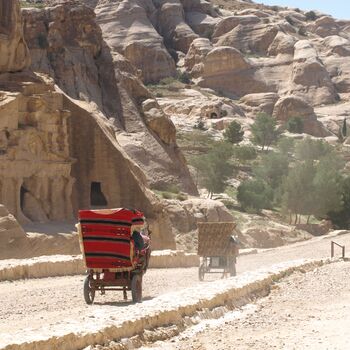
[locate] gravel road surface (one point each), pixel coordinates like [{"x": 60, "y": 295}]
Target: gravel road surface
[
  {"x": 304, "y": 311},
  {"x": 43, "y": 302}
]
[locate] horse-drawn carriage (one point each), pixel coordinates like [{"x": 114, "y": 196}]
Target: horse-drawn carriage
[
  {"x": 113, "y": 259},
  {"x": 218, "y": 248}
]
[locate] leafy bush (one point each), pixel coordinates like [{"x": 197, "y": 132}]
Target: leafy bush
[
  {"x": 311, "y": 16},
  {"x": 310, "y": 150},
  {"x": 302, "y": 31},
  {"x": 233, "y": 133},
  {"x": 290, "y": 20},
  {"x": 295, "y": 125},
  {"x": 272, "y": 168},
  {"x": 285, "y": 145},
  {"x": 183, "y": 77},
  {"x": 200, "y": 125},
  {"x": 264, "y": 131},
  {"x": 215, "y": 167},
  {"x": 245, "y": 153},
  {"x": 254, "y": 195}
]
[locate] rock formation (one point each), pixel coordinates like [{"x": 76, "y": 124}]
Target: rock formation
[{"x": 14, "y": 52}]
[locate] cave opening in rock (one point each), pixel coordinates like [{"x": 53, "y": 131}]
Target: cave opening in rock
[
  {"x": 213, "y": 115},
  {"x": 97, "y": 198},
  {"x": 23, "y": 191}
]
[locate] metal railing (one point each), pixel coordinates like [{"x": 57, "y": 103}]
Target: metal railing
[{"x": 340, "y": 246}]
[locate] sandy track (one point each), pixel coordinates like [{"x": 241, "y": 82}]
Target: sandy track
[
  {"x": 304, "y": 311},
  {"x": 44, "y": 302}
]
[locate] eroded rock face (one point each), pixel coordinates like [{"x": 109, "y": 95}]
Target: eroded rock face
[
  {"x": 310, "y": 78},
  {"x": 257, "y": 103},
  {"x": 250, "y": 39},
  {"x": 128, "y": 29},
  {"x": 74, "y": 54},
  {"x": 293, "y": 106},
  {"x": 14, "y": 52},
  {"x": 159, "y": 122},
  {"x": 173, "y": 27},
  {"x": 226, "y": 69},
  {"x": 35, "y": 162},
  {"x": 85, "y": 68}
]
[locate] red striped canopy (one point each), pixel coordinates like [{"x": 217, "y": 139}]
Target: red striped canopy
[{"x": 106, "y": 237}]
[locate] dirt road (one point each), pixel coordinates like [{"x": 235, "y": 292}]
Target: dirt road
[
  {"x": 48, "y": 301},
  {"x": 304, "y": 311}
]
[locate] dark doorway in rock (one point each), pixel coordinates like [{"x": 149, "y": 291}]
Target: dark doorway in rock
[
  {"x": 213, "y": 115},
  {"x": 97, "y": 198},
  {"x": 23, "y": 191}
]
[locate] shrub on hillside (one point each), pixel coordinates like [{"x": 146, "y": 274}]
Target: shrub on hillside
[
  {"x": 254, "y": 195},
  {"x": 295, "y": 125},
  {"x": 233, "y": 133}
]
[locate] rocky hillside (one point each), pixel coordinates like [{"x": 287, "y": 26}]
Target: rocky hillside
[{"x": 96, "y": 95}]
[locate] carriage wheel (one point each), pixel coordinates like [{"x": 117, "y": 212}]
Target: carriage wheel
[
  {"x": 201, "y": 272},
  {"x": 89, "y": 293},
  {"x": 136, "y": 288}
]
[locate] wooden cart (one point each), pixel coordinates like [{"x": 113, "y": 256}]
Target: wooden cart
[{"x": 218, "y": 248}]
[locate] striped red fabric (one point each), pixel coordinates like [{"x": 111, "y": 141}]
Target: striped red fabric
[{"x": 106, "y": 237}]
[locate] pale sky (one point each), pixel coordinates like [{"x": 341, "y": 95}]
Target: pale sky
[{"x": 337, "y": 8}]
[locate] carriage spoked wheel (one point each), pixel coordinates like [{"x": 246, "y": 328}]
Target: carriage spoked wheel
[
  {"x": 136, "y": 287},
  {"x": 201, "y": 272},
  {"x": 89, "y": 292}
]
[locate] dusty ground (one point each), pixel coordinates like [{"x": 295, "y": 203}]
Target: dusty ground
[
  {"x": 48, "y": 301},
  {"x": 304, "y": 311}
]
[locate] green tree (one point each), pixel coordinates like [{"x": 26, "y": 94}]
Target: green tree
[
  {"x": 341, "y": 218},
  {"x": 244, "y": 153},
  {"x": 344, "y": 128},
  {"x": 310, "y": 150},
  {"x": 264, "y": 131},
  {"x": 295, "y": 125},
  {"x": 286, "y": 145},
  {"x": 215, "y": 167},
  {"x": 272, "y": 168},
  {"x": 254, "y": 195},
  {"x": 327, "y": 186},
  {"x": 233, "y": 133},
  {"x": 298, "y": 191},
  {"x": 311, "y": 16}
]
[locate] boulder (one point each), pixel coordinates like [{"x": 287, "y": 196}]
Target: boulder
[
  {"x": 310, "y": 78},
  {"x": 282, "y": 44},
  {"x": 175, "y": 31},
  {"x": 158, "y": 122},
  {"x": 254, "y": 38},
  {"x": 326, "y": 26},
  {"x": 293, "y": 106},
  {"x": 337, "y": 45},
  {"x": 229, "y": 23},
  {"x": 194, "y": 58},
  {"x": 226, "y": 69},
  {"x": 257, "y": 103},
  {"x": 10, "y": 229},
  {"x": 224, "y": 59},
  {"x": 14, "y": 51},
  {"x": 201, "y": 23}
]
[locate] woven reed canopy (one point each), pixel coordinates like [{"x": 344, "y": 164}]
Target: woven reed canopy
[{"x": 214, "y": 239}]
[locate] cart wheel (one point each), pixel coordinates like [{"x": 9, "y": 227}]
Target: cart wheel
[
  {"x": 201, "y": 272},
  {"x": 136, "y": 288},
  {"x": 89, "y": 293}
]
